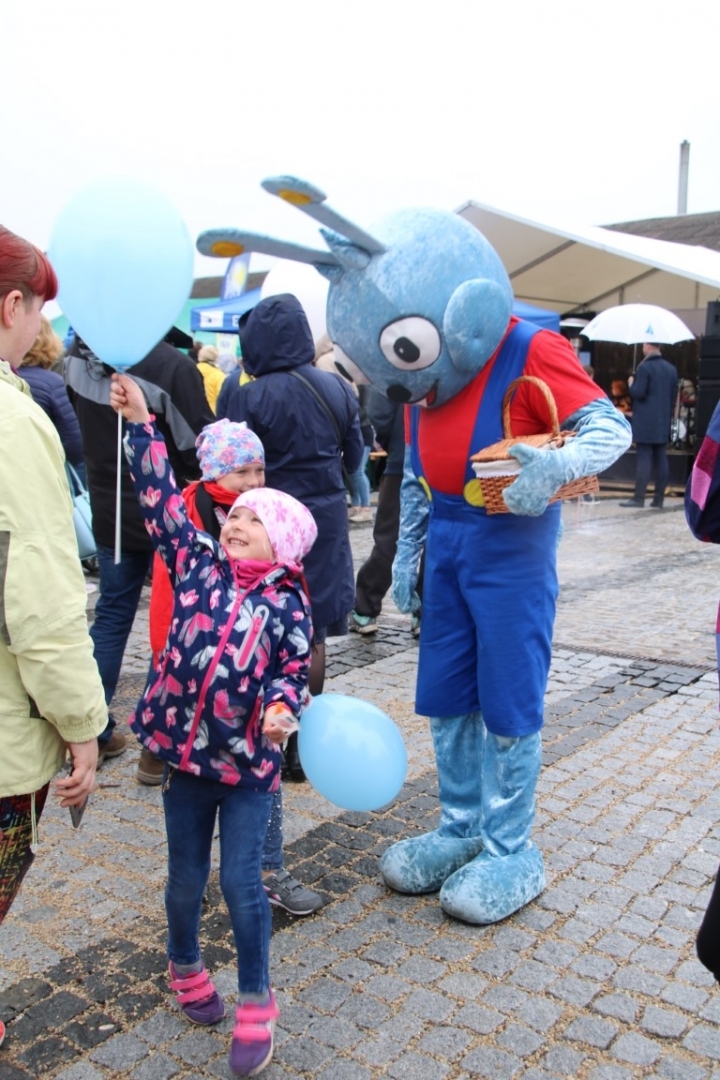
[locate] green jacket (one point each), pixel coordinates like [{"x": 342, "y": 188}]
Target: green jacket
[{"x": 50, "y": 688}]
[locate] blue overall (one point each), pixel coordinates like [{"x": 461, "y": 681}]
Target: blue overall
[{"x": 490, "y": 588}]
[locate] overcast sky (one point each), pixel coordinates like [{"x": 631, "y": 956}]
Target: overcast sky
[{"x": 565, "y": 110}]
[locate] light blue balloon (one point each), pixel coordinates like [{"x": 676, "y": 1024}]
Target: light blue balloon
[
  {"x": 353, "y": 754},
  {"x": 124, "y": 262}
]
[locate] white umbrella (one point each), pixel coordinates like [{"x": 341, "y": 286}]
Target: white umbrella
[{"x": 632, "y": 324}]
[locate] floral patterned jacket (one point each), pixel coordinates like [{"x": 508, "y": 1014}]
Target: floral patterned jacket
[{"x": 230, "y": 652}]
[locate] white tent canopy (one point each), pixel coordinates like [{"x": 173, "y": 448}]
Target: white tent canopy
[{"x": 588, "y": 268}]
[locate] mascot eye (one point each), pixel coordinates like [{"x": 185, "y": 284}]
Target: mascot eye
[
  {"x": 347, "y": 367},
  {"x": 411, "y": 344}
]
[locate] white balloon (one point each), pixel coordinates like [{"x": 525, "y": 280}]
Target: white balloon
[{"x": 304, "y": 282}]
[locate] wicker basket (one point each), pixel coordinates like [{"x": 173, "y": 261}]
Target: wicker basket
[{"x": 492, "y": 487}]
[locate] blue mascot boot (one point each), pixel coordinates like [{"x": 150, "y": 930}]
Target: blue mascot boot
[
  {"x": 421, "y": 864},
  {"x": 509, "y": 872}
]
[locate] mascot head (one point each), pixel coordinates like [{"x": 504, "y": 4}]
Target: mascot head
[{"x": 416, "y": 308}]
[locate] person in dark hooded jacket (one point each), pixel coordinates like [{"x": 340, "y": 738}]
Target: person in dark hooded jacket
[{"x": 305, "y": 449}]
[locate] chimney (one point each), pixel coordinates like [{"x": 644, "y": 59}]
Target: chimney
[{"x": 683, "y": 177}]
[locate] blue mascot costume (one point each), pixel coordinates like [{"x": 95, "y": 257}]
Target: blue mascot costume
[{"x": 421, "y": 308}]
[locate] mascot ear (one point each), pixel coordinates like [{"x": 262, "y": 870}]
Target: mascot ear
[
  {"x": 331, "y": 272},
  {"x": 475, "y": 320},
  {"x": 350, "y": 256}
]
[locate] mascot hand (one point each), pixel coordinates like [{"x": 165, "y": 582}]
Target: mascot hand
[
  {"x": 541, "y": 475},
  {"x": 414, "y": 510},
  {"x": 602, "y": 434},
  {"x": 404, "y": 580}
]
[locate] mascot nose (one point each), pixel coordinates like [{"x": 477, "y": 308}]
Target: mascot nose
[{"x": 399, "y": 394}]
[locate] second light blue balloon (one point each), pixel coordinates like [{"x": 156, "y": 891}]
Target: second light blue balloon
[{"x": 352, "y": 752}]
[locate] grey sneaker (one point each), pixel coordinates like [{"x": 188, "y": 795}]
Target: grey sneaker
[
  {"x": 362, "y": 624},
  {"x": 285, "y": 892}
]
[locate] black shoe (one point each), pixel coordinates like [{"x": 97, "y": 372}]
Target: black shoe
[
  {"x": 291, "y": 769},
  {"x": 656, "y": 506},
  {"x": 632, "y": 502}
]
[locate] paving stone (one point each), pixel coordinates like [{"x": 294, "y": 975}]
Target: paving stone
[
  {"x": 663, "y": 1022},
  {"x": 413, "y": 1066},
  {"x": 491, "y": 1063},
  {"x": 636, "y": 1049},
  {"x": 532, "y": 975},
  {"x": 120, "y": 1052},
  {"x": 335, "y": 1032},
  {"x": 198, "y": 1048},
  {"x": 704, "y": 1039},
  {"x": 635, "y": 979},
  {"x": 421, "y": 970},
  {"x": 557, "y": 954},
  {"x": 341, "y": 1069},
  {"x": 304, "y": 1055},
  {"x": 81, "y": 1071},
  {"x": 366, "y": 1012},
  {"x": 445, "y": 1042},
  {"x": 428, "y": 1005},
  {"x": 462, "y": 986},
  {"x": 675, "y": 1068},
  {"x": 574, "y": 991},
  {"x": 562, "y": 1060},
  {"x": 478, "y": 1018},
  {"x": 162, "y": 1027},
  {"x": 610, "y": 1072},
  {"x": 496, "y": 962},
  {"x": 326, "y": 993},
  {"x": 157, "y": 1067},
  {"x": 684, "y": 996},
  {"x": 520, "y": 1040},
  {"x": 591, "y": 1030}
]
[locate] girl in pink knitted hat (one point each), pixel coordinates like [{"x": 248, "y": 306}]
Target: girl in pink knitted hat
[{"x": 230, "y": 687}]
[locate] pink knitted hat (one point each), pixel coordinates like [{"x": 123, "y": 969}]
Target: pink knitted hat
[
  {"x": 224, "y": 446},
  {"x": 290, "y": 526}
]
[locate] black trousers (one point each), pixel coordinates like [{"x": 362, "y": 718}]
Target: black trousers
[
  {"x": 708, "y": 939},
  {"x": 375, "y": 575},
  {"x": 651, "y": 457}
]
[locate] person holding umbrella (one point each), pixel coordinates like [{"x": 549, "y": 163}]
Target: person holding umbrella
[
  {"x": 653, "y": 391},
  {"x": 652, "y": 388}
]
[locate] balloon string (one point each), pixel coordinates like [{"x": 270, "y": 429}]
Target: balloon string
[{"x": 118, "y": 479}]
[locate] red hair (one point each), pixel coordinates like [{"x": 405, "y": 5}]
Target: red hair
[{"x": 25, "y": 267}]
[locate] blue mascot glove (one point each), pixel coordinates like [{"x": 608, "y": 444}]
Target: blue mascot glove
[
  {"x": 414, "y": 511},
  {"x": 602, "y": 435}
]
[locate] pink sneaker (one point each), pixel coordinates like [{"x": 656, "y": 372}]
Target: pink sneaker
[
  {"x": 196, "y": 996},
  {"x": 252, "y": 1042}
]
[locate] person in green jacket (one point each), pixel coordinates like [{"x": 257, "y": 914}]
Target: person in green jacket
[{"x": 51, "y": 698}]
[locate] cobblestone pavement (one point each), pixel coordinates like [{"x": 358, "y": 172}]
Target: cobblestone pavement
[{"x": 597, "y": 979}]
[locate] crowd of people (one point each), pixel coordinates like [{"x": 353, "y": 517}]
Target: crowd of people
[{"x": 234, "y": 503}]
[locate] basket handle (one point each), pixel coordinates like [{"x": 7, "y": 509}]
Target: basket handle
[{"x": 549, "y": 401}]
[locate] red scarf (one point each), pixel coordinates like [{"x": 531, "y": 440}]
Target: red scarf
[{"x": 217, "y": 493}]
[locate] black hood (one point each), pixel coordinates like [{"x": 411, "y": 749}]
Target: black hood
[{"x": 277, "y": 336}]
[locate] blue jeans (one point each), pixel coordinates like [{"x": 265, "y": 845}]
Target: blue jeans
[
  {"x": 272, "y": 857},
  {"x": 359, "y": 484},
  {"x": 120, "y": 589},
  {"x": 191, "y": 806}
]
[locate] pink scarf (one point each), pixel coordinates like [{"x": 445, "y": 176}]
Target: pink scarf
[{"x": 250, "y": 571}]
